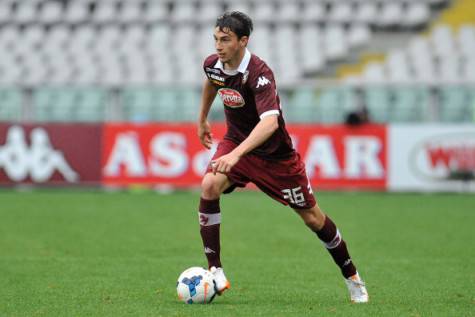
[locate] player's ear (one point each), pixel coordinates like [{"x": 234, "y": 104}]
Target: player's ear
[{"x": 243, "y": 41}]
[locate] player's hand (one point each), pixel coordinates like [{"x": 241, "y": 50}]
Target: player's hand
[
  {"x": 223, "y": 164},
  {"x": 205, "y": 135}
]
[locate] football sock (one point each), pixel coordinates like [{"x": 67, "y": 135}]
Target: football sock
[
  {"x": 210, "y": 219},
  {"x": 331, "y": 238}
]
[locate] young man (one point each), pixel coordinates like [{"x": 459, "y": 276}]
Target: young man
[{"x": 256, "y": 142}]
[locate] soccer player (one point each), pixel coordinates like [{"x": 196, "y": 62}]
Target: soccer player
[{"x": 256, "y": 148}]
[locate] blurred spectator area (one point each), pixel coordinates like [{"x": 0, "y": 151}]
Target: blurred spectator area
[{"x": 85, "y": 60}]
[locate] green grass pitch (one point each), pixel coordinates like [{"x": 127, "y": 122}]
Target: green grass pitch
[{"x": 82, "y": 253}]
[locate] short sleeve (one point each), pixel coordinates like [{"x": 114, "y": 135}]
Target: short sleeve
[{"x": 265, "y": 94}]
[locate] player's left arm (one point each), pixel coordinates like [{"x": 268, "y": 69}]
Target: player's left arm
[{"x": 261, "y": 132}]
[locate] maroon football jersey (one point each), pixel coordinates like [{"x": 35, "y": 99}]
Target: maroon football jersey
[{"x": 249, "y": 94}]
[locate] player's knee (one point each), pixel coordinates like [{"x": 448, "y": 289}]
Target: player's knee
[
  {"x": 313, "y": 218},
  {"x": 210, "y": 188}
]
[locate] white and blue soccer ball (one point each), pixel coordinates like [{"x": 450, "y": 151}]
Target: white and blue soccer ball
[{"x": 196, "y": 286}]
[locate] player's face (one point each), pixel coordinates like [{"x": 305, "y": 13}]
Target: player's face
[{"x": 227, "y": 45}]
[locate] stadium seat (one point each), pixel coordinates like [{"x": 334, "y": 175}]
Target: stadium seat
[
  {"x": 417, "y": 14},
  {"x": 183, "y": 12},
  {"x": 264, "y": 11},
  {"x": 76, "y": 12},
  {"x": 366, "y": 12},
  {"x": 313, "y": 11},
  {"x": 26, "y": 12},
  {"x": 341, "y": 12},
  {"x": 391, "y": 14},
  {"x": 130, "y": 12},
  {"x": 105, "y": 12},
  {"x": 5, "y": 12},
  {"x": 242, "y": 6},
  {"x": 122, "y": 43},
  {"x": 442, "y": 41},
  {"x": 156, "y": 11},
  {"x": 288, "y": 11},
  {"x": 208, "y": 12},
  {"x": 51, "y": 12},
  {"x": 466, "y": 40},
  {"x": 336, "y": 46},
  {"x": 397, "y": 67},
  {"x": 359, "y": 35}
]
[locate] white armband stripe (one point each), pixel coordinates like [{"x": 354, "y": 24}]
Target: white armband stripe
[{"x": 269, "y": 113}]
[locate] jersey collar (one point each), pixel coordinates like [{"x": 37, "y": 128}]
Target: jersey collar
[{"x": 241, "y": 68}]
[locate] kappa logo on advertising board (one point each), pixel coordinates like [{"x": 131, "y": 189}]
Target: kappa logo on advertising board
[
  {"x": 444, "y": 157},
  {"x": 39, "y": 160},
  {"x": 231, "y": 98}
]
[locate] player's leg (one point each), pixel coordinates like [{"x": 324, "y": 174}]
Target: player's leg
[
  {"x": 288, "y": 184},
  {"x": 210, "y": 215},
  {"x": 329, "y": 234},
  {"x": 212, "y": 187}
]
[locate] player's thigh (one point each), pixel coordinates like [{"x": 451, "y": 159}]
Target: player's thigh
[{"x": 213, "y": 185}]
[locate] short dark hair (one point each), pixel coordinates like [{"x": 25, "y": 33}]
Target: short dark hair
[{"x": 238, "y": 22}]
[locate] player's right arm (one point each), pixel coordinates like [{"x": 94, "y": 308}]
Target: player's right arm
[{"x": 204, "y": 129}]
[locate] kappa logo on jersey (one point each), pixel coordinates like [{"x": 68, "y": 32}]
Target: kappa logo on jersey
[
  {"x": 262, "y": 81},
  {"x": 231, "y": 98},
  {"x": 217, "y": 77}
]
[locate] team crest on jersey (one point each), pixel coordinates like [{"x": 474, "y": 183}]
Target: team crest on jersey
[{"x": 231, "y": 98}]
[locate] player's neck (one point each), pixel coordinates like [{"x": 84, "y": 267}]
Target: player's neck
[{"x": 234, "y": 63}]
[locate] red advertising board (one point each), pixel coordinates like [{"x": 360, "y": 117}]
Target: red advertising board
[
  {"x": 337, "y": 156},
  {"x": 52, "y": 154},
  {"x": 161, "y": 154}
]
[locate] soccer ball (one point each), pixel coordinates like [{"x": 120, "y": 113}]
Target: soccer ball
[{"x": 196, "y": 285}]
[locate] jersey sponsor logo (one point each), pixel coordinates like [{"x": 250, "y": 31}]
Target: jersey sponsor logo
[
  {"x": 219, "y": 83},
  {"x": 262, "y": 81},
  {"x": 218, "y": 80},
  {"x": 231, "y": 98},
  {"x": 216, "y": 77},
  {"x": 213, "y": 70}
]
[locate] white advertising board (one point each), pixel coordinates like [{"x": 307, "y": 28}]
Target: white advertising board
[{"x": 431, "y": 157}]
